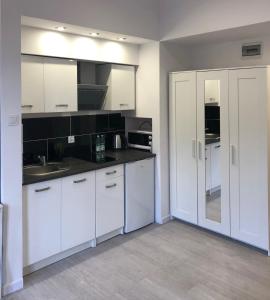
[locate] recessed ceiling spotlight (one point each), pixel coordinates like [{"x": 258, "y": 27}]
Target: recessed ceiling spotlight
[
  {"x": 94, "y": 33},
  {"x": 61, "y": 28},
  {"x": 122, "y": 38}
]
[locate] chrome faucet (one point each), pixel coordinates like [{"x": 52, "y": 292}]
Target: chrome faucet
[{"x": 42, "y": 159}]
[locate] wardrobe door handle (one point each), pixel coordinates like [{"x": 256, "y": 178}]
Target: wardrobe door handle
[
  {"x": 194, "y": 148},
  {"x": 233, "y": 155},
  {"x": 200, "y": 150},
  {"x": 27, "y": 106}
]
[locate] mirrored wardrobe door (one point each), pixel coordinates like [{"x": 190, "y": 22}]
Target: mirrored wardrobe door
[{"x": 213, "y": 148}]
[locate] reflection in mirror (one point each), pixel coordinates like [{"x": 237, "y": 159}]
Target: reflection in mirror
[{"x": 212, "y": 151}]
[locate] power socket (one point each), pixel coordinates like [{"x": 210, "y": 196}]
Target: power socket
[{"x": 71, "y": 139}]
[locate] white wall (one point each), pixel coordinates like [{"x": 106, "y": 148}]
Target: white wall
[
  {"x": 148, "y": 106},
  {"x": 58, "y": 44},
  {"x": 11, "y": 150},
  {"x": 138, "y": 18},
  {"x": 172, "y": 58},
  {"x": 181, "y": 18},
  {"x": 222, "y": 55}
]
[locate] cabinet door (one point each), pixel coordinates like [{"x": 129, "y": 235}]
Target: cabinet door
[
  {"x": 213, "y": 125},
  {"x": 60, "y": 85},
  {"x": 123, "y": 87},
  {"x": 248, "y": 173},
  {"x": 32, "y": 100},
  {"x": 41, "y": 220},
  {"x": 183, "y": 159},
  {"x": 109, "y": 205},
  {"x": 140, "y": 202},
  {"x": 78, "y": 210}
]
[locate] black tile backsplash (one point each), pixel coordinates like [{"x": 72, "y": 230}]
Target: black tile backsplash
[
  {"x": 83, "y": 125},
  {"x": 116, "y": 122},
  {"x": 44, "y": 128},
  {"x": 49, "y": 136},
  {"x": 32, "y": 149}
]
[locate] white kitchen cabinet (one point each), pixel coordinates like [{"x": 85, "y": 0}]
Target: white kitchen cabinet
[
  {"x": 60, "y": 85},
  {"x": 32, "y": 77},
  {"x": 183, "y": 136},
  {"x": 48, "y": 85},
  {"x": 41, "y": 220},
  {"x": 77, "y": 210},
  {"x": 120, "y": 80},
  {"x": 109, "y": 202},
  {"x": 249, "y": 180}
]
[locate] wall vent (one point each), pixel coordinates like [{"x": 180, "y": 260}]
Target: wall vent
[{"x": 251, "y": 50}]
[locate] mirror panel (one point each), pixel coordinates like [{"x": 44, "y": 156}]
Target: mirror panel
[{"x": 212, "y": 151}]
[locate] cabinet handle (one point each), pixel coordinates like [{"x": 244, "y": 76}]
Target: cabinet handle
[
  {"x": 194, "y": 148},
  {"x": 111, "y": 186},
  {"x": 27, "y": 106},
  {"x": 200, "y": 150},
  {"x": 43, "y": 190},
  {"x": 111, "y": 173},
  {"x": 217, "y": 146},
  {"x": 61, "y": 105},
  {"x": 233, "y": 152},
  {"x": 123, "y": 104},
  {"x": 80, "y": 180}
]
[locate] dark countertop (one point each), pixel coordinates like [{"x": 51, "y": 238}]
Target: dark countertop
[{"x": 77, "y": 166}]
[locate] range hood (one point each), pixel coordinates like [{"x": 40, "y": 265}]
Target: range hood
[{"x": 91, "y": 96}]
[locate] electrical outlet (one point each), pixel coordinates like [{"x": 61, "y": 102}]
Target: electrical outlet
[{"x": 71, "y": 139}]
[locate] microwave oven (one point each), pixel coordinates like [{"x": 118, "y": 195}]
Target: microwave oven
[{"x": 140, "y": 139}]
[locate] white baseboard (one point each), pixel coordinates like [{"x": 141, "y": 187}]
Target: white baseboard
[
  {"x": 163, "y": 220},
  {"x": 12, "y": 287},
  {"x": 166, "y": 219}
]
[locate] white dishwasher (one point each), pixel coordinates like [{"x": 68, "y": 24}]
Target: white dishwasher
[{"x": 139, "y": 194}]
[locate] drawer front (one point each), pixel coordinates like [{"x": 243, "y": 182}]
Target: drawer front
[
  {"x": 109, "y": 173},
  {"x": 109, "y": 205}
]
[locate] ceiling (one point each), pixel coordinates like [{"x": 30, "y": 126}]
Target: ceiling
[
  {"x": 83, "y": 31},
  {"x": 254, "y": 31}
]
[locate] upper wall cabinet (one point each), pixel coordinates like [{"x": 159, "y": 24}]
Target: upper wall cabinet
[
  {"x": 32, "y": 84},
  {"x": 121, "y": 86},
  {"x": 48, "y": 85},
  {"x": 60, "y": 85}
]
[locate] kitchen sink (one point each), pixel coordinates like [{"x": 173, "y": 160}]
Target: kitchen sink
[{"x": 48, "y": 169}]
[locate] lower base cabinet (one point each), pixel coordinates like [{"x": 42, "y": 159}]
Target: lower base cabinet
[
  {"x": 78, "y": 210},
  {"x": 61, "y": 214},
  {"x": 41, "y": 221},
  {"x": 109, "y": 201}
]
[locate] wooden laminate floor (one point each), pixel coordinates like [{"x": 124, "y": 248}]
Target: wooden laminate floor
[{"x": 172, "y": 261}]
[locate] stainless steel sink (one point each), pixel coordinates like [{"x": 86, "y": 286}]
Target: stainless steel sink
[{"x": 48, "y": 169}]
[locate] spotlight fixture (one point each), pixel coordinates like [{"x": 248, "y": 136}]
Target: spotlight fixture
[
  {"x": 94, "y": 34},
  {"x": 61, "y": 28},
  {"x": 122, "y": 39}
]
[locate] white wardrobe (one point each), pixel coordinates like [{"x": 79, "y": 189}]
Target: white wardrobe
[{"x": 219, "y": 151}]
